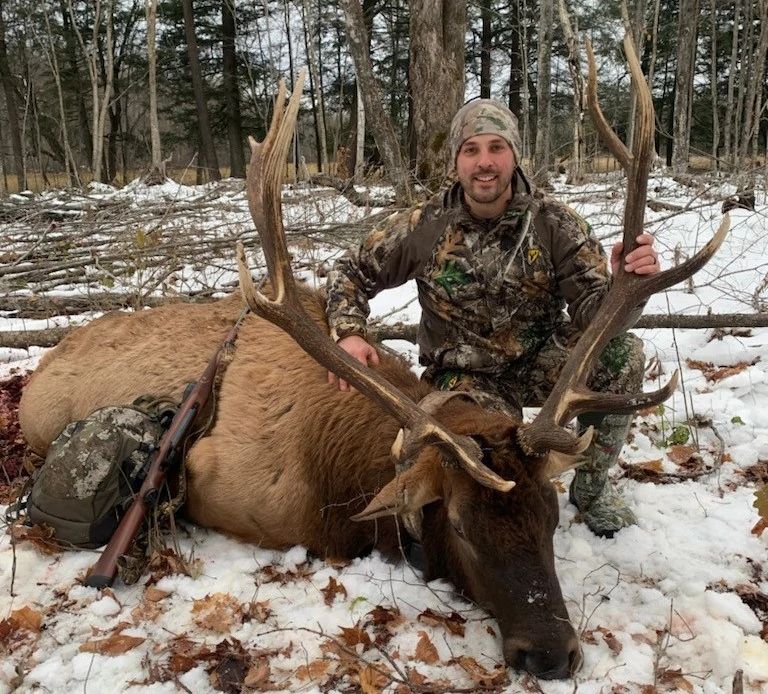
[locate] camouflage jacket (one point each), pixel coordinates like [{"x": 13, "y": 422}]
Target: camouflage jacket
[{"x": 492, "y": 292}]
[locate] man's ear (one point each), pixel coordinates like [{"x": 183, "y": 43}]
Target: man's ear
[{"x": 408, "y": 492}]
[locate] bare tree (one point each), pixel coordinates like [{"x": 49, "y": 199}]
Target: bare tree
[
  {"x": 9, "y": 90},
  {"x": 686, "y": 54},
  {"x": 376, "y": 116},
  {"x": 436, "y": 74},
  {"x": 728, "y": 134},
  {"x": 231, "y": 90},
  {"x": 206, "y": 136},
  {"x": 485, "y": 49},
  {"x": 542, "y": 153},
  {"x": 713, "y": 80},
  {"x": 310, "y": 28},
  {"x": 576, "y": 168},
  {"x": 99, "y": 100},
  {"x": 157, "y": 171}
]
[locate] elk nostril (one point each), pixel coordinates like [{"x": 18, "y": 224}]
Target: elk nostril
[{"x": 547, "y": 664}]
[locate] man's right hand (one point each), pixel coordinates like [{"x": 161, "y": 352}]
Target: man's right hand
[{"x": 357, "y": 347}]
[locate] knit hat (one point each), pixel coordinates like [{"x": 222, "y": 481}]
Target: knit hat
[{"x": 482, "y": 117}]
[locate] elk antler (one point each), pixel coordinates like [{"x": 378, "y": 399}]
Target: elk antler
[
  {"x": 570, "y": 396},
  {"x": 285, "y": 310}
]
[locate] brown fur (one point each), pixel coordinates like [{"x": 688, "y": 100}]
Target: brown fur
[{"x": 290, "y": 459}]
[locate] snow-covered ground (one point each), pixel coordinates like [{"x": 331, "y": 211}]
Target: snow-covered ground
[{"x": 677, "y": 603}]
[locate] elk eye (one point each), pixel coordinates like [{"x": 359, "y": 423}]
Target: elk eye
[{"x": 458, "y": 530}]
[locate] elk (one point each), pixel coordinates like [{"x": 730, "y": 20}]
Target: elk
[{"x": 291, "y": 460}]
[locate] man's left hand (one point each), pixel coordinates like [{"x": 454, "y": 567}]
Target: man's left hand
[{"x": 643, "y": 260}]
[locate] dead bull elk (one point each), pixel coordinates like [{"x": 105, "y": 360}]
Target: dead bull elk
[{"x": 290, "y": 460}]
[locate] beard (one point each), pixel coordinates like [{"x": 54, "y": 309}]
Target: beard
[{"x": 487, "y": 192}]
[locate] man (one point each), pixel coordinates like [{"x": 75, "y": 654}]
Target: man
[{"x": 496, "y": 262}]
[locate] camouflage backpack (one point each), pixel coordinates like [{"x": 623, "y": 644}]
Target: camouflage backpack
[{"x": 93, "y": 469}]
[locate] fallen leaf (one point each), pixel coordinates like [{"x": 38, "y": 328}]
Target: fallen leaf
[
  {"x": 607, "y": 636},
  {"x": 257, "y": 674},
  {"x": 146, "y": 611},
  {"x": 219, "y": 612},
  {"x": 453, "y": 622},
  {"x": 681, "y": 454},
  {"x": 479, "y": 674},
  {"x": 352, "y": 636},
  {"x": 372, "y": 680},
  {"x": 28, "y": 619},
  {"x": 415, "y": 677},
  {"x": 41, "y": 537},
  {"x": 333, "y": 589},
  {"x": 258, "y": 611},
  {"x": 115, "y": 644},
  {"x": 645, "y": 638},
  {"x": 229, "y": 674},
  {"x": 651, "y": 466},
  {"x": 425, "y": 650},
  {"x": 155, "y": 594},
  {"x": 314, "y": 670},
  {"x": 674, "y": 678}
]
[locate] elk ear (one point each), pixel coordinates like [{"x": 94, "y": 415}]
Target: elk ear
[{"x": 408, "y": 492}]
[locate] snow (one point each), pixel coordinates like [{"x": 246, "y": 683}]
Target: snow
[{"x": 665, "y": 601}]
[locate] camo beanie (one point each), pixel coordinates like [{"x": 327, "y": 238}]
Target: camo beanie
[{"x": 481, "y": 117}]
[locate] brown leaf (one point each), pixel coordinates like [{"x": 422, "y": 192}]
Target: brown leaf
[
  {"x": 229, "y": 674},
  {"x": 219, "y": 612},
  {"x": 352, "y": 636},
  {"x": 453, "y": 622},
  {"x": 333, "y": 589},
  {"x": 146, "y": 611},
  {"x": 115, "y": 644},
  {"x": 415, "y": 677},
  {"x": 166, "y": 562},
  {"x": 674, "y": 678},
  {"x": 681, "y": 454},
  {"x": 425, "y": 650},
  {"x": 646, "y": 639},
  {"x": 607, "y": 636},
  {"x": 41, "y": 537},
  {"x": 479, "y": 674},
  {"x": 314, "y": 670},
  {"x": 653, "y": 467},
  {"x": 257, "y": 611},
  {"x": 180, "y": 663},
  {"x": 714, "y": 373},
  {"x": 27, "y": 618},
  {"x": 258, "y": 674},
  {"x": 155, "y": 594},
  {"x": 372, "y": 680}
]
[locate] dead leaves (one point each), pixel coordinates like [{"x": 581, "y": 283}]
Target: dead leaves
[
  {"x": 717, "y": 373},
  {"x": 20, "y": 623},
  {"x": 606, "y": 635},
  {"x": 453, "y": 622},
  {"x": 116, "y": 643},
  {"x": 41, "y": 537},
  {"x": 333, "y": 589},
  {"x": 219, "y": 612},
  {"x": 425, "y": 650}
]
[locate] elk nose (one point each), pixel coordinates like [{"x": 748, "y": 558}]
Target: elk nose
[{"x": 558, "y": 662}]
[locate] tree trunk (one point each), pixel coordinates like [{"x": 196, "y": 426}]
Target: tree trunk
[
  {"x": 103, "y": 107},
  {"x": 157, "y": 169},
  {"x": 515, "y": 59},
  {"x": 576, "y": 168},
  {"x": 208, "y": 150},
  {"x": 73, "y": 177},
  {"x": 437, "y": 82},
  {"x": 638, "y": 32},
  {"x": 753, "y": 104},
  {"x": 314, "y": 75},
  {"x": 745, "y": 69},
  {"x": 74, "y": 69},
  {"x": 360, "y": 138},
  {"x": 543, "y": 86},
  {"x": 295, "y": 147},
  {"x": 231, "y": 90},
  {"x": 485, "y": 50},
  {"x": 729, "y": 151},
  {"x": 713, "y": 80},
  {"x": 9, "y": 89},
  {"x": 686, "y": 54},
  {"x": 381, "y": 126}
]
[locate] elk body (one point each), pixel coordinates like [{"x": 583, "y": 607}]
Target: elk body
[{"x": 291, "y": 459}]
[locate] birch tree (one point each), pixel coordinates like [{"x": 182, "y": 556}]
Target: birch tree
[
  {"x": 157, "y": 170},
  {"x": 543, "y": 88}
]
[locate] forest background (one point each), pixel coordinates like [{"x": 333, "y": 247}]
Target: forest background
[{"x": 108, "y": 90}]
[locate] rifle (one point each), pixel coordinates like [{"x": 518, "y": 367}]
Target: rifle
[{"x": 103, "y": 572}]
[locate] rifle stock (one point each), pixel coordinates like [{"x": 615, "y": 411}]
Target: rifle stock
[{"x": 103, "y": 572}]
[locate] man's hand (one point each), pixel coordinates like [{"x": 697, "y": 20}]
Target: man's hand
[
  {"x": 357, "y": 347},
  {"x": 644, "y": 260}
]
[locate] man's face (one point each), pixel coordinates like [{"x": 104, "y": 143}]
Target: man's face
[{"x": 484, "y": 165}]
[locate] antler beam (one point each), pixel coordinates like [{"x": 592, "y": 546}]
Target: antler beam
[
  {"x": 570, "y": 396},
  {"x": 285, "y": 310}
]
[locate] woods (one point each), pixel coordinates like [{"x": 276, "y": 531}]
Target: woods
[{"x": 109, "y": 90}]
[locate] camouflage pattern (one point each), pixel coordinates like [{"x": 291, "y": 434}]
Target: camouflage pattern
[
  {"x": 600, "y": 505},
  {"x": 87, "y": 474},
  {"x": 484, "y": 117},
  {"x": 492, "y": 293}
]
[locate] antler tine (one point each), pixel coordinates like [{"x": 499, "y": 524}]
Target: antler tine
[
  {"x": 286, "y": 311},
  {"x": 570, "y": 396}
]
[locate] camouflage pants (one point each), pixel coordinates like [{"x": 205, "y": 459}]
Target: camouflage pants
[{"x": 619, "y": 369}]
